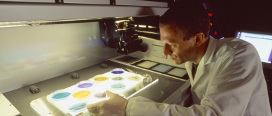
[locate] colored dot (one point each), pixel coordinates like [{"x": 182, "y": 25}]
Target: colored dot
[
  {"x": 77, "y": 106},
  {"x": 117, "y": 78},
  {"x": 100, "y": 95},
  {"x": 101, "y": 78},
  {"x": 84, "y": 85},
  {"x": 134, "y": 78},
  {"x": 118, "y": 86},
  {"x": 61, "y": 95},
  {"x": 81, "y": 94},
  {"x": 117, "y": 72}
]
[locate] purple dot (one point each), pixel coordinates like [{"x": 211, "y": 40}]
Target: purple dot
[{"x": 84, "y": 85}]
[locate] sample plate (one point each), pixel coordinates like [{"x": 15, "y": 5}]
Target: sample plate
[{"x": 74, "y": 99}]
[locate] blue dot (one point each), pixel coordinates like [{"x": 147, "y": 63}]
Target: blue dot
[
  {"x": 61, "y": 95},
  {"x": 117, "y": 72},
  {"x": 118, "y": 86},
  {"x": 77, "y": 106}
]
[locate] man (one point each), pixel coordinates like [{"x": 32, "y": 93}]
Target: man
[{"x": 226, "y": 75}]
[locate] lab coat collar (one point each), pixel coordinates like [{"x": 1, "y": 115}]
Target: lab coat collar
[
  {"x": 207, "y": 59},
  {"x": 209, "y": 55}
]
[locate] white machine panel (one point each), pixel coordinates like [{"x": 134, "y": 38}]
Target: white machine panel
[
  {"x": 30, "y": 12},
  {"x": 40, "y": 1},
  {"x": 6, "y": 108}
]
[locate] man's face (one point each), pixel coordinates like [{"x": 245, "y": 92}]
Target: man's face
[{"x": 178, "y": 49}]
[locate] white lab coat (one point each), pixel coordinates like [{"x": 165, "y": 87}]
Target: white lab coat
[{"x": 229, "y": 82}]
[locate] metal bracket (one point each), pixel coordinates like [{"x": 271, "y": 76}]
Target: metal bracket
[
  {"x": 59, "y": 1},
  {"x": 112, "y": 2}
]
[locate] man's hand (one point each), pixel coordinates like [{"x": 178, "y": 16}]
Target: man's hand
[{"x": 114, "y": 106}]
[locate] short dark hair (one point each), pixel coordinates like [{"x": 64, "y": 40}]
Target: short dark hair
[{"x": 189, "y": 17}]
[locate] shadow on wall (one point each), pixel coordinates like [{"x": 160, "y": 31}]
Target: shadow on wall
[{"x": 146, "y": 11}]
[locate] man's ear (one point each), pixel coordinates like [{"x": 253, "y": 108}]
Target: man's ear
[{"x": 199, "y": 38}]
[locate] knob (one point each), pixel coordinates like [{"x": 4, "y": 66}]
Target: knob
[
  {"x": 34, "y": 89},
  {"x": 75, "y": 76},
  {"x": 103, "y": 65}
]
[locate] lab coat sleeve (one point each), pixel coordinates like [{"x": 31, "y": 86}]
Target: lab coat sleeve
[
  {"x": 228, "y": 94},
  {"x": 239, "y": 84},
  {"x": 140, "y": 106}
]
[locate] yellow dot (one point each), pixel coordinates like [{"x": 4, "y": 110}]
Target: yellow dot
[
  {"x": 101, "y": 78},
  {"x": 134, "y": 78},
  {"x": 82, "y": 94}
]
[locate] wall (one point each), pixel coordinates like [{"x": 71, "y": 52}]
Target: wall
[
  {"x": 250, "y": 15},
  {"x": 32, "y": 54}
]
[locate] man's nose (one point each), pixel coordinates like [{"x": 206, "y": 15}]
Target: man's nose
[{"x": 166, "y": 50}]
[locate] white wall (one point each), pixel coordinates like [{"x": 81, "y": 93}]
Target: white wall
[{"x": 35, "y": 53}]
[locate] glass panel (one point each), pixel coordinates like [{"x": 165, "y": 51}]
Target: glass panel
[
  {"x": 147, "y": 64},
  {"x": 177, "y": 72},
  {"x": 162, "y": 68}
]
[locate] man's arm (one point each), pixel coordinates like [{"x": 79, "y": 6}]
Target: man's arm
[{"x": 228, "y": 92}]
